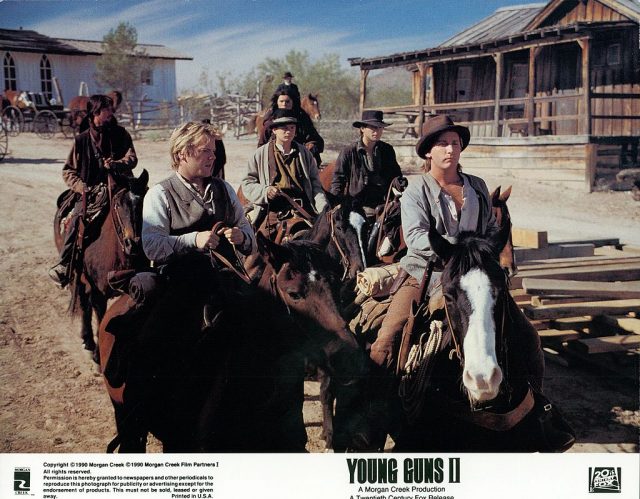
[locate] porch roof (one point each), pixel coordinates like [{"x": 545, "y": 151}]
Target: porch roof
[{"x": 500, "y": 30}]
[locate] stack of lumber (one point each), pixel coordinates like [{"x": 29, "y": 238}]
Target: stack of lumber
[{"x": 585, "y": 305}]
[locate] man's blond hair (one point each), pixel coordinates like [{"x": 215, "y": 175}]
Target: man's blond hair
[{"x": 187, "y": 137}]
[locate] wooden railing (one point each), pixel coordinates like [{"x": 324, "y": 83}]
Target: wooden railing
[{"x": 558, "y": 114}]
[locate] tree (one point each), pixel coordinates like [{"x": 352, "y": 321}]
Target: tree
[{"x": 122, "y": 63}]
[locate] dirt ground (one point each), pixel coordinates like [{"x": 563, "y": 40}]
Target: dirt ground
[{"x": 52, "y": 397}]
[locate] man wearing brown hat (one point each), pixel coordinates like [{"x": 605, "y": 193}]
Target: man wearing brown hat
[
  {"x": 365, "y": 169},
  {"x": 282, "y": 170}
]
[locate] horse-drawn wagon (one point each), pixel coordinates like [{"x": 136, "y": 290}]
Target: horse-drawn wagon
[{"x": 34, "y": 111}]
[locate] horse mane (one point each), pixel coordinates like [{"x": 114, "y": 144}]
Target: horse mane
[{"x": 474, "y": 251}]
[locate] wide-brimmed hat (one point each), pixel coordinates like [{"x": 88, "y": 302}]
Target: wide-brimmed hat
[
  {"x": 371, "y": 118},
  {"x": 434, "y": 126},
  {"x": 288, "y": 75},
  {"x": 282, "y": 117}
]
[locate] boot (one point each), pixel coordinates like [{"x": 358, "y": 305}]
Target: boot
[{"x": 60, "y": 274}]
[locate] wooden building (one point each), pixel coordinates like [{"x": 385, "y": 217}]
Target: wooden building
[
  {"x": 551, "y": 91},
  {"x": 31, "y": 61}
]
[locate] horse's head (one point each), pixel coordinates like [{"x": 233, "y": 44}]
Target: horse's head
[
  {"x": 310, "y": 104},
  {"x": 474, "y": 287},
  {"x": 307, "y": 282},
  {"x": 126, "y": 211},
  {"x": 501, "y": 212},
  {"x": 339, "y": 228}
]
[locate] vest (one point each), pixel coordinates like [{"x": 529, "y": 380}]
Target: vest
[{"x": 188, "y": 215}]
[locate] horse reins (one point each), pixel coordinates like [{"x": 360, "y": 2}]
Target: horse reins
[
  {"x": 344, "y": 259},
  {"x": 222, "y": 259}
]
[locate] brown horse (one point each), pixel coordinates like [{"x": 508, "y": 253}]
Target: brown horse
[
  {"x": 238, "y": 388},
  {"x": 111, "y": 244}
]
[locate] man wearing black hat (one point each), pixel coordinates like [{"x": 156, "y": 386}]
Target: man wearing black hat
[
  {"x": 365, "y": 169},
  {"x": 279, "y": 171},
  {"x": 290, "y": 87}
]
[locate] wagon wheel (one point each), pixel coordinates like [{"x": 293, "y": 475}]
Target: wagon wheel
[
  {"x": 13, "y": 120},
  {"x": 4, "y": 142},
  {"x": 45, "y": 124},
  {"x": 66, "y": 126}
]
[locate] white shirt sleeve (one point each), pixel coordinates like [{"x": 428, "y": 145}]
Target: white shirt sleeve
[{"x": 157, "y": 243}]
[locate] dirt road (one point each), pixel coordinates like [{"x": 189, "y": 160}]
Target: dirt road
[{"x": 51, "y": 394}]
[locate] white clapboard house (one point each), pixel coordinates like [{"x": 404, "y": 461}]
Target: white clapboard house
[{"x": 31, "y": 61}]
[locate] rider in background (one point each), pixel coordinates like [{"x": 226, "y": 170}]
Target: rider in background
[
  {"x": 366, "y": 169},
  {"x": 104, "y": 147},
  {"x": 282, "y": 165},
  {"x": 289, "y": 87},
  {"x": 306, "y": 133}
]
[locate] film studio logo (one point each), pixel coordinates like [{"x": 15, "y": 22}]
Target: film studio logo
[
  {"x": 21, "y": 480},
  {"x": 605, "y": 480}
]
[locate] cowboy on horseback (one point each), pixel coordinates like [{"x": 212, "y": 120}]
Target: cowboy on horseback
[
  {"x": 366, "y": 169},
  {"x": 180, "y": 212},
  {"x": 105, "y": 148},
  {"x": 282, "y": 179}
]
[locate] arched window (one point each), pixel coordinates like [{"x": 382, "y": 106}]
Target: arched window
[
  {"x": 9, "y": 66},
  {"x": 46, "y": 83}
]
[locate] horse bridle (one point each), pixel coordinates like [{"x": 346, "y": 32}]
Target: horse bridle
[
  {"x": 118, "y": 224},
  {"x": 344, "y": 259}
]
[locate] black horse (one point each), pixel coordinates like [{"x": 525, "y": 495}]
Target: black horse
[
  {"x": 238, "y": 387},
  {"x": 472, "y": 390}
]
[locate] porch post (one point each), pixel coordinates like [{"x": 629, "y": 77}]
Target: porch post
[
  {"x": 531, "y": 107},
  {"x": 363, "y": 88},
  {"x": 422, "y": 70},
  {"x": 586, "y": 86},
  {"x": 496, "y": 110}
]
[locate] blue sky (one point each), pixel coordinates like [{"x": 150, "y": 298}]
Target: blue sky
[{"x": 235, "y": 35}]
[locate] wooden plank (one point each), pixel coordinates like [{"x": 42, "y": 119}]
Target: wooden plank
[
  {"x": 559, "y": 263},
  {"x": 529, "y": 238},
  {"x": 554, "y": 251},
  {"x": 559, "y": 287},
  {"x": 611, "y": 307},
  {"x": 606, "y": 273},
  {"x": 539, "y": 301},
  {"x": 606, "y": 344},
  {"x": 558, "y": 335}
]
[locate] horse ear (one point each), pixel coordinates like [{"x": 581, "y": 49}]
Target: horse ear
[
  {"x": 273, "y": 253},
  {"x": 495, "y": 196},
  {"x": 504, "y": 197},
  {"x": 499, "y": 239},
  {"x": 440, "y": 246},
  {"x": 143, "y": 179}
]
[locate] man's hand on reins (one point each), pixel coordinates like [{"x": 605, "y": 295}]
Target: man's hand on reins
[
  {"x": 272, "y": 192},
  {"x": 233, "y": 234},
  {"x": 207, "y": 239}
]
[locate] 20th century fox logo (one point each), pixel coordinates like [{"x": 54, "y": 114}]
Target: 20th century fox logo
[
  {"x": 21, "y": 480},
  {"x": 605, "y": 480}
]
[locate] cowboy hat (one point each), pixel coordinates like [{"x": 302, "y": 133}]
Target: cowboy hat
[
  {"x": 282, "y": 117},
  {"x": 288, "y": 75},
  {"x": 371, "y": 118},
  {"x": 433, "y": 127}
]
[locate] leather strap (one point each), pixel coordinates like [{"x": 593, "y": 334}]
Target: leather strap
[{"x": 486, "y": 419}]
